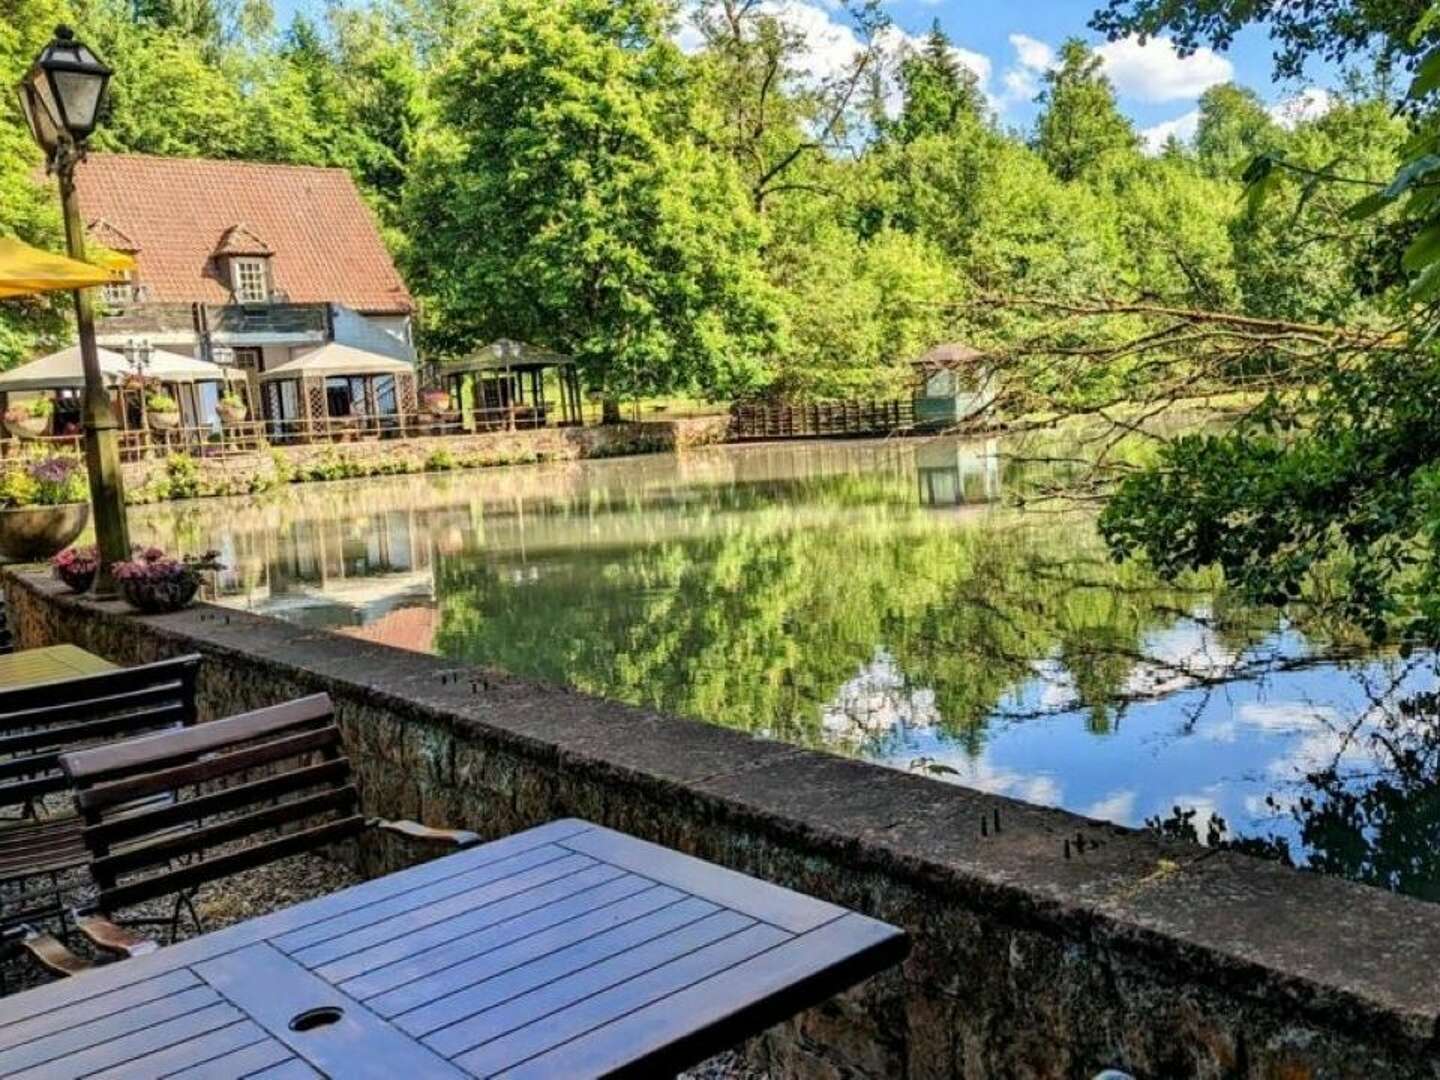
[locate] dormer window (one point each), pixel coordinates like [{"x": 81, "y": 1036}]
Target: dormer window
[
  {"x": 251, "y": 280},
  {"x": 245, "y": 259},
  {"x": 120, "y": 289}
]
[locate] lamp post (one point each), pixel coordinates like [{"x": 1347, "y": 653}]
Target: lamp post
[{"x": 61, "y": 96}]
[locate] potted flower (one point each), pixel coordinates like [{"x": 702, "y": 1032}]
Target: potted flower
[
  {"x": 43, "y": 505},
  {"x": 232, "y": 409},
  {"x": 29, "y": 419},
  {"x": 162, "y": 410},
  {"x": 154, "y": 583},
  {"x": 435, "y": 401},
  {"x": 77, "y": 567}
]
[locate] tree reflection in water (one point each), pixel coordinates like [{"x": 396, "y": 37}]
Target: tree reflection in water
[{"x": 880, "y": 601}]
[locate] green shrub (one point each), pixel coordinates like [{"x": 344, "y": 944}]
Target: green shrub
[
  {"x": 182, "y": 472},
  {"x": 440, "y": 460}
]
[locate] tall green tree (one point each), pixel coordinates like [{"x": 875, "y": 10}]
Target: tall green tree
[
  {"x": 1080, "y": 125},
  {"x": 27, "y": 206},
  {"x": 561, "y": 198},
  {"x": 938, "y": 92},
  {"x": 1234, "y": 126}
]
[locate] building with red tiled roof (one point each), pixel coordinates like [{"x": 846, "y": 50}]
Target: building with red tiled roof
[{"x": 242, "y": 262}]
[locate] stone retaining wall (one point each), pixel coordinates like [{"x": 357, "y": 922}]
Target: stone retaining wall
[
  {"x": 158, "y": 479},
  {"x": 1166, "y": 959}
]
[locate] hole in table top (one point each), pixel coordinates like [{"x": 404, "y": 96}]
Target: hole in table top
[{"x": 311, "y": 1019}]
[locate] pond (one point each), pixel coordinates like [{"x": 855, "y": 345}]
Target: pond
[{"x": 887, "y": 600}]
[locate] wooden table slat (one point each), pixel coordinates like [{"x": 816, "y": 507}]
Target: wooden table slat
[
  {"x": 190, "y": 1054},
  {"x": 136, "y": 1044},
  {"x": 552, "y": 1029},
  {"x": 107, "y": 1028},
  {"x": 500, "y": 922},
  {"x": 312, "y": 940},
  {"x": 759, "y": 899},
  {"x": 502, "y": 975},
  {"x": 22, "y": 1028},
  {"x": 247, "y": 1061},
  {"x": 796, "y": 972},
  {"x": 401, "y": 926},
  {"x": 503, "y": 1017}
]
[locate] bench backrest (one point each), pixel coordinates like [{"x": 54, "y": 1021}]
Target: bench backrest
[
  {"x": 262, "y": 785},
  {"x": 38, "y": 723}
]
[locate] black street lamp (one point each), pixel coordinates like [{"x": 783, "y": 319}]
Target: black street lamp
[{"x": 61, "y": 96}]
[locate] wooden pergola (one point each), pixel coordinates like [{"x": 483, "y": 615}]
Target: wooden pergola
[{"x": 502, "y": 385}]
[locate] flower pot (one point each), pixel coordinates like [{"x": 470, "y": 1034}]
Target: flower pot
[
  {"x": 27, "y": 426},
  {"x": 33, "y": 533},
  {"x": 232, "y": 414},
  {"x": 163, "y": 421},
  {"x": 77, "y": 580},
  {"x": 158, "y": 597}
]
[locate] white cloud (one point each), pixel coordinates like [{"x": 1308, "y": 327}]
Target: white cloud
[
  {"x": 1032, "y": 58},
  {"x": 1031, "y": 53},
  {"x": 1309, "y": 104},
  {"x": 1182, "y": 127},
  {"x": 1156, "y": 72},
  {"x": 1118, "y": 806}
]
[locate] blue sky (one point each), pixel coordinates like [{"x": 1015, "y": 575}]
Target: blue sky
[{"x": 1009, "y": 43}]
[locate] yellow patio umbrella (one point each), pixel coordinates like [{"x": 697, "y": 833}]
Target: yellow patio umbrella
[{"x": 25, "y": 270}]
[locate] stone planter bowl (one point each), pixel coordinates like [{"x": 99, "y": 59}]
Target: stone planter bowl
[
  {"x": 34, "y": 533},
  {"x": 27, "y": 427},
  {"x": 163, "y": 421},
  {"x": 157, "y": 598},
  {"x": 232, "y": 414}
]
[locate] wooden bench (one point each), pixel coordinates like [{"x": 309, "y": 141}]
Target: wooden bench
[
  {"x": 233, "y": 795},
  {"x": 40, "y": 722}
]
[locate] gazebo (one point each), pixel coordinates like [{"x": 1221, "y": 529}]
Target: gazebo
[
  {"x": 502, "y": 385},
  {"x": 337, "y": 388},
  {"x": 62, "y": 375},
  {"x": 955, "y": 383}
]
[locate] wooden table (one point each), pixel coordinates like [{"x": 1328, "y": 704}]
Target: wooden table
[
  {"x": 49, "y": 664},
  {"x": 566, "y": 951}
]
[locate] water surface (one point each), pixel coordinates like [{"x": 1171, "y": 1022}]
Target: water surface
[{"x": 886, "y": 600}]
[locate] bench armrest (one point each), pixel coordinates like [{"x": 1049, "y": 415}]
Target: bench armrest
[
  {"x": 48, "y": 951},
  {"x": 413, "y": 830},
  {"x": 104, "y": 934}
]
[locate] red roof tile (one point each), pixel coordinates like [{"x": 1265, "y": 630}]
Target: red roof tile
[{"x": 178, "y": 211}]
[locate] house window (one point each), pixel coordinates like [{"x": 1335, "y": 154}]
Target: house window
[
  {"x": 248, "y": 359},
  {"x": 251, "y": 281},
  {"x": 120, "y": 289}
]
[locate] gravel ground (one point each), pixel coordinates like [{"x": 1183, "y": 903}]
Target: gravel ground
[{"x": 258, "y": 892}]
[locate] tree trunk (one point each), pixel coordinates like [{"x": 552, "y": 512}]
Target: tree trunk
[{"x": 610, "y": 411}]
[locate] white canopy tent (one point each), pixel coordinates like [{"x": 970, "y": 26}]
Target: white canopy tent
[
  {"x": 64, "y": 370},
  {"x": 338, "y": 361},
  {"x": 338, "y": 382},
  {"x": 61, "y": 371}
]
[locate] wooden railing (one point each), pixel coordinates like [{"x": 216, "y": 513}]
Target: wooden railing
[
  {"x": 250, "y": 436},
  {"x": 820, "y": 419}
]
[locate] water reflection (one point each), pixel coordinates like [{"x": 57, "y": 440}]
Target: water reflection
[{"x": 876, "y": 599}]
